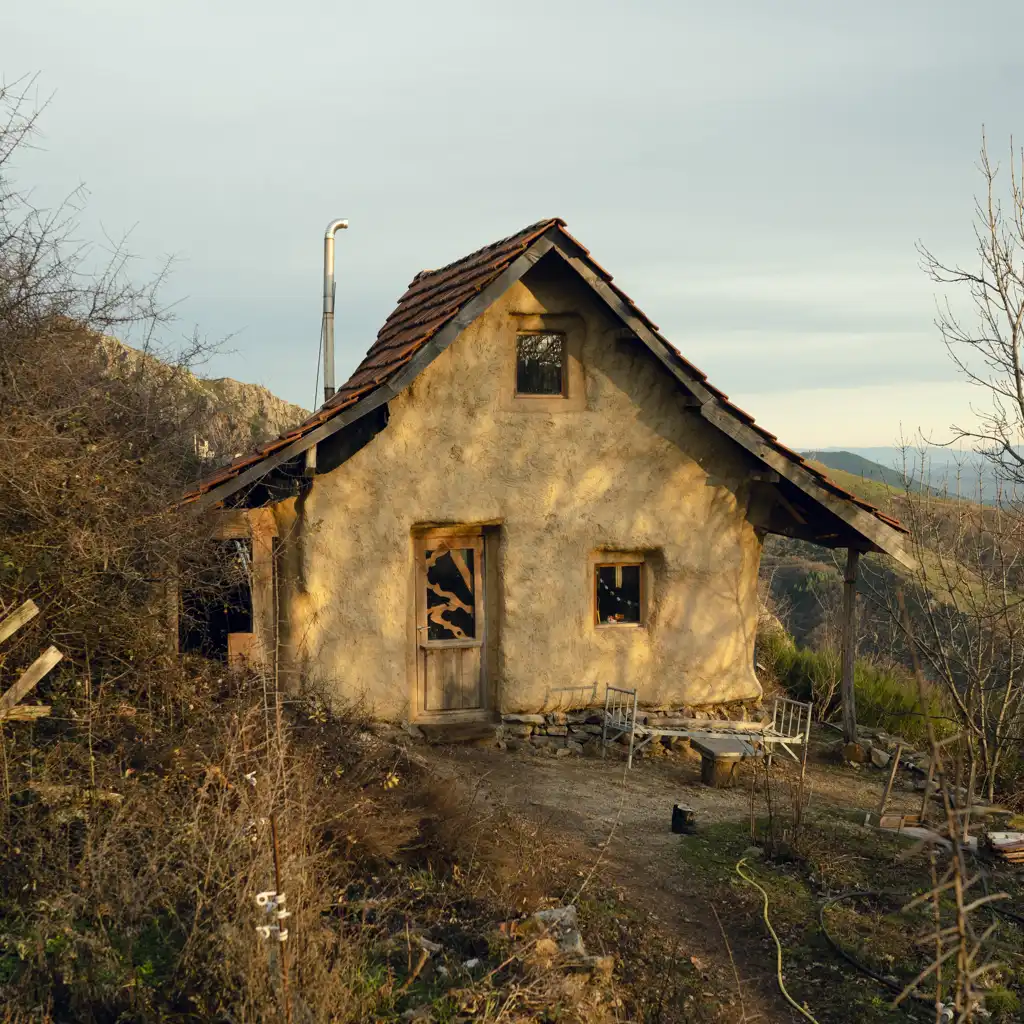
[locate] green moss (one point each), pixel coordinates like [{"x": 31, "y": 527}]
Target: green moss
[{"x": 1003, "y": 1004}]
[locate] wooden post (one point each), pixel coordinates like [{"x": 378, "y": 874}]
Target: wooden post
[
  {"x": 849, "y": 645},
  {"x": 892, "y": 778}
]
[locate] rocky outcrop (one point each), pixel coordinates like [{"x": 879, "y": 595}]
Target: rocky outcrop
[{"x": 236, "y": 416}]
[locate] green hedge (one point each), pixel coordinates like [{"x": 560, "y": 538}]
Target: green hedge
[{"x": 887, "y": 696}]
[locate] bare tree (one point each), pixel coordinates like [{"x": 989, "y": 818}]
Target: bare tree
[
  {"x": 987, "y": 349},
  {"x": 965, "y": 618}
]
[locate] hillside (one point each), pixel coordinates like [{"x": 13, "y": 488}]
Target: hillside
[
  {"x": 238, "y": 415},
  {"x": 857, "y": 465}
]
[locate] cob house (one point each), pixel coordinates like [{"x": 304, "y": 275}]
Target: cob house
[{"x": 523, "y": 488}]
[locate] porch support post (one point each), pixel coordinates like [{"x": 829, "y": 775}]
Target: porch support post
[{"x": 849, "y": 645}]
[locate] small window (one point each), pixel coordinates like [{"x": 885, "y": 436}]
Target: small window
[
  {"x": 618, "y": 594},
  {"x": 540, "y": 364}
]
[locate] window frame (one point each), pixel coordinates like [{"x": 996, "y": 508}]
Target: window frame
[
  {"x": 562, "y": 395},
  {"x": 612, "y": 560}
]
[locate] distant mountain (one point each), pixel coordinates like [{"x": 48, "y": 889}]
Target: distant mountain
[
  {"x": 857, "y": 465},
  {"x": 943, "y": 470}
]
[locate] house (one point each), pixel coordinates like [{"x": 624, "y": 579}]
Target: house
[{"x": 523, "y": 487}]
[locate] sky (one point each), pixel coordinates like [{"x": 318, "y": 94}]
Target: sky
[{"x": 754, "y": 173}]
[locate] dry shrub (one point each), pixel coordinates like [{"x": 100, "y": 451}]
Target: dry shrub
[{"x": 136, "y": 900}]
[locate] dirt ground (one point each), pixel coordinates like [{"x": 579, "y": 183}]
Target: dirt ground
[{"x": 616, "y": 824}]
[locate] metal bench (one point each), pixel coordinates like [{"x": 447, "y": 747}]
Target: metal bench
[{"x": 788, "y": 727}]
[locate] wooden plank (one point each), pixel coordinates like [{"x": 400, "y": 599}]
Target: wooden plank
[
  {"x": 25, "y": 713},
  {"x": 262, "y": 580},
  {"x": 449, "y": 661},
  {"x": 25, "y": 613},
  {"x": 470, "y": 677},
  {"x": 892, "y": 779},
  {"x": 433, "y": 690},
  {"x": 849, "y": 702},
  {"x": 30, "y": 677}
]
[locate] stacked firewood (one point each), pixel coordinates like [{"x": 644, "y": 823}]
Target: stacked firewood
[{"x": 1006, "y": 846}]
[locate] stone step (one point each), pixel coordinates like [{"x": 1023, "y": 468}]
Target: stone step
[{"x": 457, "y": 732}]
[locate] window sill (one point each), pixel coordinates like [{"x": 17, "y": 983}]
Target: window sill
[{"x": 620, "y": 625}]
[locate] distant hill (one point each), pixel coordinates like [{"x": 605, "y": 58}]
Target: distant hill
[
  {"x": 946, "y": 470},
  {"x": 857, "y": 465},
  {"x": 238, "y": 416}
]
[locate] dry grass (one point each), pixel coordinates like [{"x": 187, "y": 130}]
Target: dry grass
[{"x": 144, "y": 908}]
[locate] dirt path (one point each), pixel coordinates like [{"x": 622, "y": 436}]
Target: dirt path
[{"x": 588, "y": 800}]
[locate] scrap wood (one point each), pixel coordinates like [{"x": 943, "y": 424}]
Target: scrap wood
[
  {"x": 25, "y": 713},
  {"x": 29, "y": 678},
  {"x": 13, "y": 622},
  {"x": 1006, "y": 846}
]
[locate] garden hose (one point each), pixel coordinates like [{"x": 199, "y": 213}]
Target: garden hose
[
  {"x": 778, "y": 945},
  {"x": 849, "y": 957}
]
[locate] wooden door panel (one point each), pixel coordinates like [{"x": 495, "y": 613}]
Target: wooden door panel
[{"x": 452, "y": 676}]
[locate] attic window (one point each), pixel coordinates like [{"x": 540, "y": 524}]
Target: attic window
[
  {"x": 618, "y": 593},
  {"x": 540, "y": 364}
]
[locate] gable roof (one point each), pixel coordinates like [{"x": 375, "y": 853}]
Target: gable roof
[{"x": 439, "y": 304}]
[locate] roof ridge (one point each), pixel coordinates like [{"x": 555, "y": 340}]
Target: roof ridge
[{"x": 529, "y": 229}]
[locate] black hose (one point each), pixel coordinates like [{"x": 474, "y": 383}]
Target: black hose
[
  {"x": 862, "y": 967},
  {"x": 994, "y": 907},
  {"x": 851, "y": 959}
]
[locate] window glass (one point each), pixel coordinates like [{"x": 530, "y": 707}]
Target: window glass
[
  {"x": 451, "y": 601},
  {"x": 540, "y": 364},
  {"x": 618, "y": 594}
]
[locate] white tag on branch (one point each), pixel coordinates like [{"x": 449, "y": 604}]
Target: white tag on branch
[{"x": 272, "y": 931}]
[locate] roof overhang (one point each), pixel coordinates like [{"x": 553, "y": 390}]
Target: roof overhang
[{"x": 866, "y": 527}]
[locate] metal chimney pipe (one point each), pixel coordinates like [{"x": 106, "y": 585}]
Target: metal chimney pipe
[{"x": 332, "y": 228}]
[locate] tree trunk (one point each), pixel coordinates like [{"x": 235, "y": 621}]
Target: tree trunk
[{"x": 849, "y": 645}]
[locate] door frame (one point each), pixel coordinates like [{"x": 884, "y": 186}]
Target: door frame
[{"x": 486, "y": 608}]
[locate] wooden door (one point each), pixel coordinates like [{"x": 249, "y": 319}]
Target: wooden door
[{"x": 450, "y": 621}]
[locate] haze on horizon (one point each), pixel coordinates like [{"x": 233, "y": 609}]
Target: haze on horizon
[{"x": 755, "y": 176}]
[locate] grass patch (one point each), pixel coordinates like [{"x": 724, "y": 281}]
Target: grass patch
[{"x": 834, "y": 855}]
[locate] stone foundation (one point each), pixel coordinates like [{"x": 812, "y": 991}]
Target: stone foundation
[{"x": 579, "y": 731}]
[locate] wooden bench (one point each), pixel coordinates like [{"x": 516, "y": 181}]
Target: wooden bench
[{"x": 719, "y": 757}]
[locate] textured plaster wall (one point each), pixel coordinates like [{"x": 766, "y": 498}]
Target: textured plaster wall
[{"x": 633, "y": 470}]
